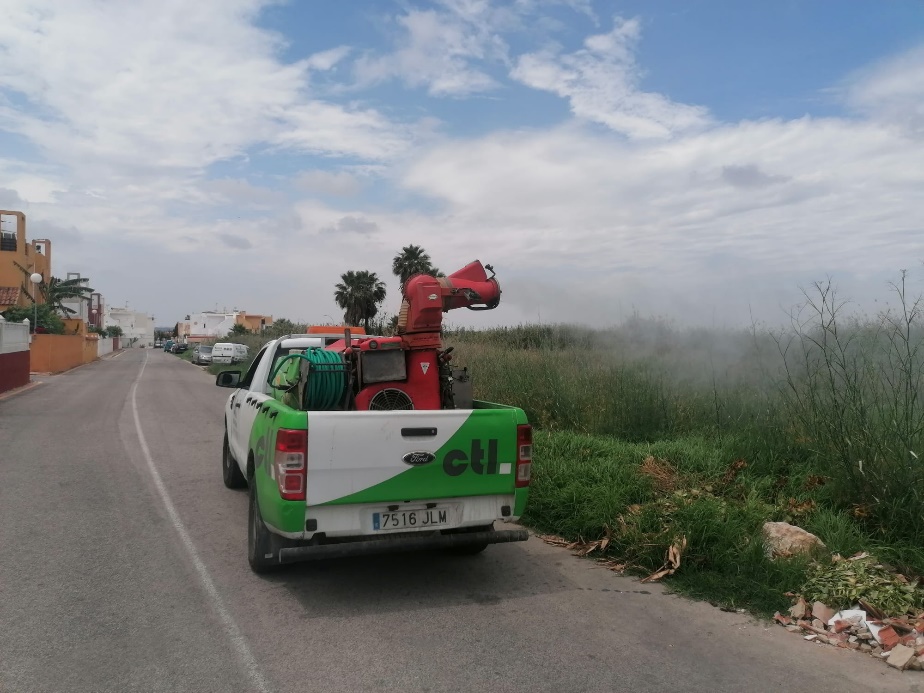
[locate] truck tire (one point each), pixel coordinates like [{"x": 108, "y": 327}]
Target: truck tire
[
  {"x": 230, "y": 472},
  {"x": 262, "y": 547}
]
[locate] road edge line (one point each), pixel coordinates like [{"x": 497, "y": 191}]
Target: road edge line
[{"x": 232, "y": 630}]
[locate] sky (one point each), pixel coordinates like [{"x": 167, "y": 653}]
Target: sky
[{"x": 702, "y": 162}]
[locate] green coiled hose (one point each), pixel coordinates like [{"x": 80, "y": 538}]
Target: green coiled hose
[{"x": 326, "y": 377}]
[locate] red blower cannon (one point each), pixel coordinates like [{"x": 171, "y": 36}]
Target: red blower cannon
[
  {"x": 411, "y": 370},
  {"x": 426, "y": 298}
]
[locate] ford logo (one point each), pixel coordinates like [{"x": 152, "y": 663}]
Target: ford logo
[{"x": 419, "y": 458}]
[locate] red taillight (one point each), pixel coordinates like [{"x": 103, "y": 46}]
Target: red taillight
[
  {"x": 290, "y": 463},
  {"x": 524, "y": 454}
]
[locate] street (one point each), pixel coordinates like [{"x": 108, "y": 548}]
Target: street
[{"x": 124, "y": 569}]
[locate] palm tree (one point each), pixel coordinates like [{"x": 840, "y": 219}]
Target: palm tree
[
  {"x": 410, "y": 261},
  {"x": 56, "y": 291},
  {"x": 359, "y": 295}
]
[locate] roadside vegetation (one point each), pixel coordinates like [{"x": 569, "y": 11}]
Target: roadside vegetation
[{"x": 650, "y": 436}]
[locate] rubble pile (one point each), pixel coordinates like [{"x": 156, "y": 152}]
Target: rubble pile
[{"x": 899, "y": 641}]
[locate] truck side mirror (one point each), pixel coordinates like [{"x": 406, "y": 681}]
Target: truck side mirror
[{"x": 228, "y": 379}]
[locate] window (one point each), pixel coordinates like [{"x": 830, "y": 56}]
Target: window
[{"x": 248, "y": 377}]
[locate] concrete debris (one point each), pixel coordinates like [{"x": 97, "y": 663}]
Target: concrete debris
[
  {"x": 900, "y": 657},
  {"x": 822, "y": 612},
  {"x": 783, "y": 540},
  {"x": 899, "y": 641},
  {"x": 800, "y": 609}
]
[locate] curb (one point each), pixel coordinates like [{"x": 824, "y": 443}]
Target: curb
[{"x": 20, "y": 390}]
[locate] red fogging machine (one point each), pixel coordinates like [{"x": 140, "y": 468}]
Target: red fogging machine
[{"x": 412, "y": 370}]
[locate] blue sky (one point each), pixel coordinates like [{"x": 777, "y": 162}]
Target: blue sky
[{"x": 701, "y": 161}]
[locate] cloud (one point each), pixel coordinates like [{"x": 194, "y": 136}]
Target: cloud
[
  {"x": 657, "y": 218},
  {"x": 326, "y": 60},
  {"x": 233, "y": 241},
  {"x": 601, "y": 82},
  {"x": 338, "y": 183},
  {"x": 166, "y": 85},
  {"x": 749, "y": 176},
  {"x": 352, "y": 225},
  {"x": 10, "y": 199},
  {"x": 891, "y": 91},
  {"x": 241, "y": 193},
  {"x": 439, "y": 48}
]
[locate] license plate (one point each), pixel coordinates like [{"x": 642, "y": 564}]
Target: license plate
[{"x": 410, "y": 519}]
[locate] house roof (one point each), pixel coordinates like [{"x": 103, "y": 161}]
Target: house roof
[{"x": 9, "y": 295}]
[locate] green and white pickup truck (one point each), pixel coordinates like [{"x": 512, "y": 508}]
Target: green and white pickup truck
[{"x": 345, "y": 480}]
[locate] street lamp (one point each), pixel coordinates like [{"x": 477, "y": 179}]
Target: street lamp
[
  {"x": 93, "y": 318},
  {"x": 36, "y": 279}
]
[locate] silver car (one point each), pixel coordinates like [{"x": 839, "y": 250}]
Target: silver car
[{"x": 202, "y": 355}]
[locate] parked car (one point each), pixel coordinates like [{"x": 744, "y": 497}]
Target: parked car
[
  {"x": 179, "y": 347},
  {"x": 168, "y": 344},
  {"x": 158, "y": 343},
  {"x": 202, "y": 354}
]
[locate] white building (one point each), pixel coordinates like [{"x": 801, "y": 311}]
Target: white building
[
  {"x": 215, "y": 325},
  {"x": 137, "y": 328}
]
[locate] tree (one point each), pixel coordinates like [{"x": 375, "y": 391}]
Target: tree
[
  {"x": 114, "y": 331},
  {"x": 237, "y": 329},
  {"x": 57, "y": 291},
  {"x": 359, "y": 295},
  {"x": 48, "y": 320},
  {"x": 412, "y": 260},
  {"x": 283, "y": 326}
]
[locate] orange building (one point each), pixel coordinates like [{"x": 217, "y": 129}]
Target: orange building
[{"x": 19, "y": 259}]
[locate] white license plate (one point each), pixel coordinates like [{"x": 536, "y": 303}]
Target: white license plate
[{"x": 410, "y": 519}]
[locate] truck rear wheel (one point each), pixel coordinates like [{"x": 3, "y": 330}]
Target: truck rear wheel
[
  {"x": 230, "y": 472},
  {"x": 262, "y": 547}
]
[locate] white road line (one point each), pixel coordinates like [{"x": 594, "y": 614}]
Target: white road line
[{"x": 231, "y": 628}]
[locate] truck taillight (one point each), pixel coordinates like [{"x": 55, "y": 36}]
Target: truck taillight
[
  {"x": 524, "y": 454},
  {"x": 290, "y": 463}
]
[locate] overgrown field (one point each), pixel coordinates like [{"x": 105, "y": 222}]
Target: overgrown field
[{"x": 647, "y": 434}]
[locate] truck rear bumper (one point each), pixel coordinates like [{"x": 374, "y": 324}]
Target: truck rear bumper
[{"x": 382, "y": 545}]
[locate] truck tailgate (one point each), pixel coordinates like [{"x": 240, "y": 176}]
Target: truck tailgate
[{"x": 371, "y": 457}]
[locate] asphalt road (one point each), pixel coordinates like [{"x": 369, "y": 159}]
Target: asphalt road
[{"x": 123, "y": 569}]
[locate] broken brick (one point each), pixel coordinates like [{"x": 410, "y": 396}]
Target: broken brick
[
  {"x": 783, "y": 620},
  {"x": 841, "y": 626},
  {"x": 888, "y": 638}
]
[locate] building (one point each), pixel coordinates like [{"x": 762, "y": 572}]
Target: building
[
  {"x": 137, "y": 328},
  {"x": 214, "y": 325},
  {"x": 19, "y": 259},
  {"x": 83, "y": 307}
]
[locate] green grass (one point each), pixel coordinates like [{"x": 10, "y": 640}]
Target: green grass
[
  {"x": 587, "y": 487},
  {"x": 822, "y": 418}
]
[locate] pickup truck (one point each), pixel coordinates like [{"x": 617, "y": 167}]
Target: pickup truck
[{"x": 348, "y": 481}]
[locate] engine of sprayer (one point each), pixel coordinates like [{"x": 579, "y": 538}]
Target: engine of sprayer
[{"x": 412, "y": 370}]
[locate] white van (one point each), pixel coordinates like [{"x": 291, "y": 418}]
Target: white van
[
  {"x": 228, "y": 352},
  {"x": 223, "y": 352}
]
